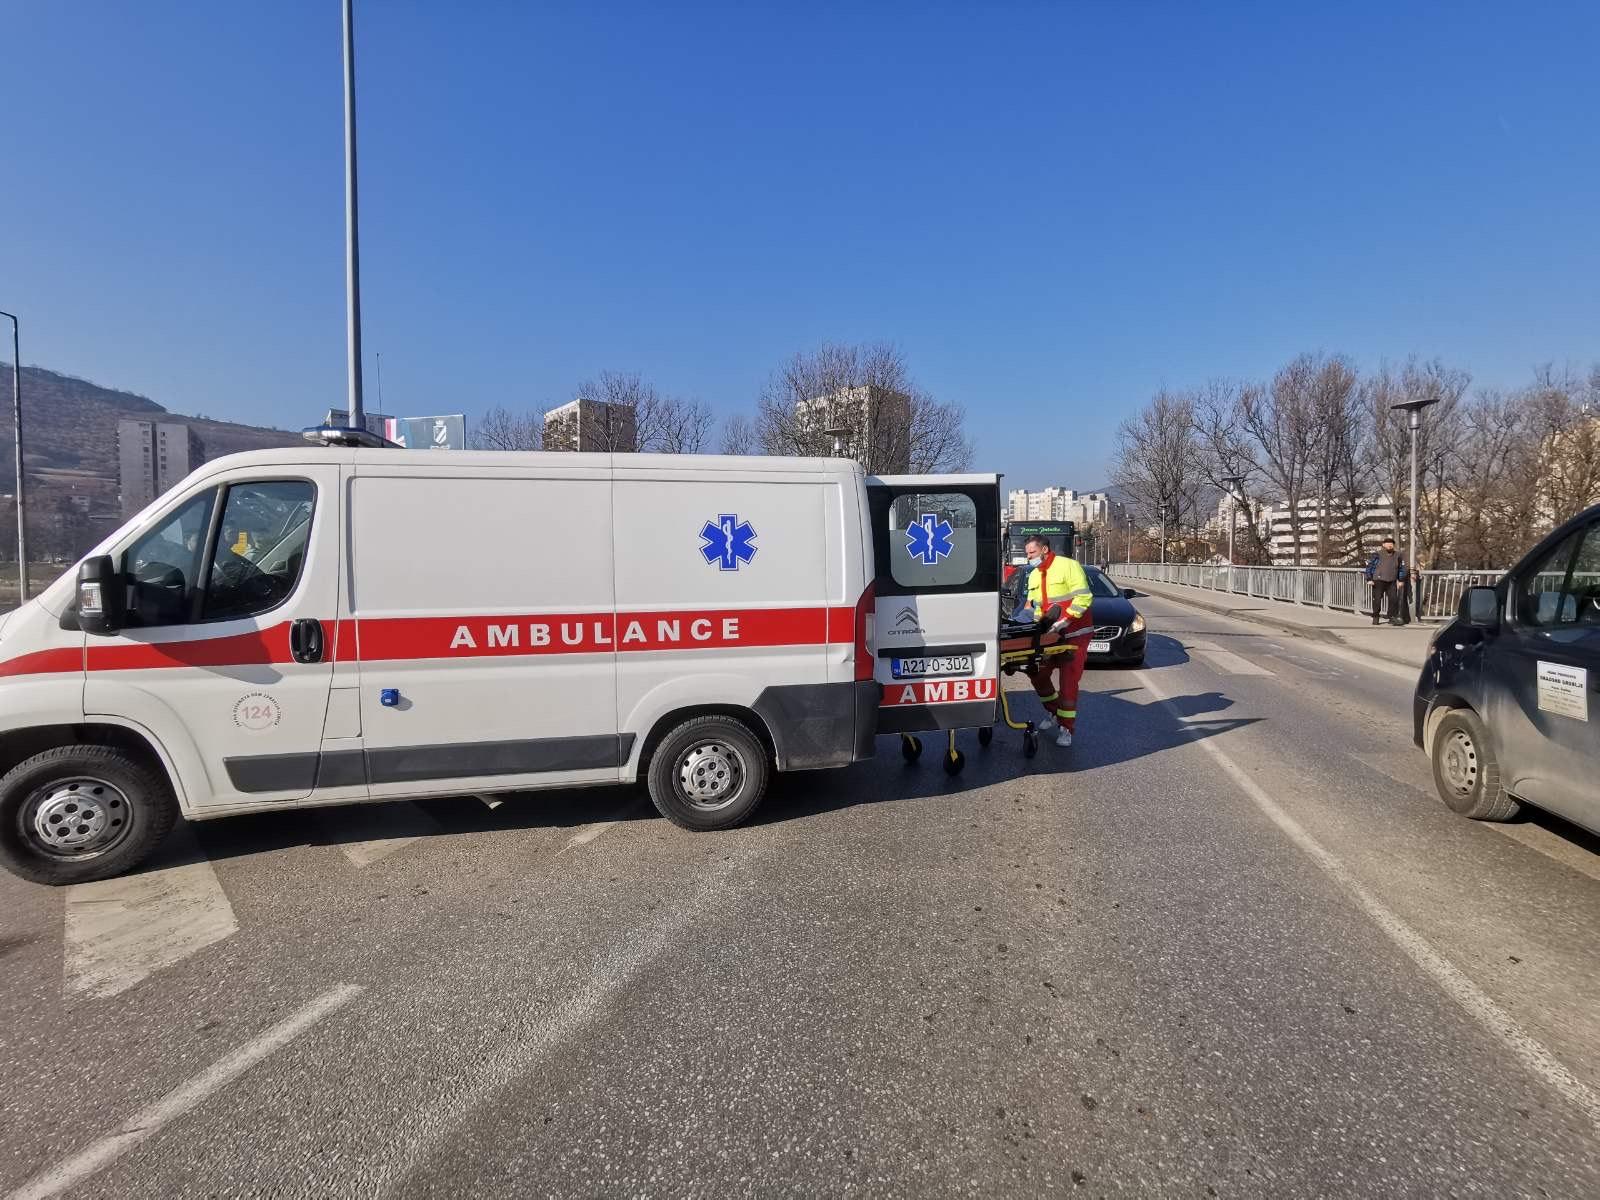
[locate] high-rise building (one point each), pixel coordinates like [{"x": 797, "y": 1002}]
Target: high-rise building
[
  {"x": 1335, "y": 532},
  {"x": 1084, "y": 509},
  {"x": 151, "y": 457},
  {"x": 878, "y": 420},
  {"x": 592, "y": 425}
]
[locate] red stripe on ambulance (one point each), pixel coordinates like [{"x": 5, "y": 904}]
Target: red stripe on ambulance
[{"x": 938, "y": 691}]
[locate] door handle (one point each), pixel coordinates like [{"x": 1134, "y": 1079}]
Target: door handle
[{"x": 305, "y": 640}]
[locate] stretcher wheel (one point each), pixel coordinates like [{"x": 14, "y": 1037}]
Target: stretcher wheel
[
  {"x": 1030, "y": 743},
  {"x": 954, "y": 760},
  {"x": 911, "y": 747},
  {"x": 986, "y": 735}
]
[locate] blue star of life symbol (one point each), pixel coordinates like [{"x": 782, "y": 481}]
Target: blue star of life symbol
[
  {"x": 928, "y": 540},
  {"x": 728, "y": 542}
]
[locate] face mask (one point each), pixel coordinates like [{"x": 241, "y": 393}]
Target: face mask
[{"x": 1034, "y": 562}]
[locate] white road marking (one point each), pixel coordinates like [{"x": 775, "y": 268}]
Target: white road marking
[
  {"x": 588, "y": 833},
  {"x": 1455, "y": 984},
  {"x": 1226, "y": 661},
  {"x": 181, "y": 1099},
  {"x": 118, "y": 931},
  {"x": 397, "y": 826}
]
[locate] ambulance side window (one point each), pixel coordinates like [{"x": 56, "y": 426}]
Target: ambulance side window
[
  {"x": 260, "y": 547},
  {"x": 933, "y": 540},
  {"x": 164, "y": 565}
]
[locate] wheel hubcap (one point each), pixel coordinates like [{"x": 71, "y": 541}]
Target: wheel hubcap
[
  {"x": 711, "y": 774},
  {"x": 78, "y": 816},
  {"x": 1459, "y": 760}
]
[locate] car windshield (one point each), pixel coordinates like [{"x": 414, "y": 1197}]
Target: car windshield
[{"x": 1100, "y": 584}]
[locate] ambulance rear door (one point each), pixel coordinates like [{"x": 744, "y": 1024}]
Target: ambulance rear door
[{"x": 936, "y": 553}]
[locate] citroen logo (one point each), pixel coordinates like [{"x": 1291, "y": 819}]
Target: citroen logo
[{"x": 907, "y": 616}]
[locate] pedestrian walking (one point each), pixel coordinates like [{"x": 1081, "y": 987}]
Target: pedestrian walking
[{"x": 1386, "y": 578}]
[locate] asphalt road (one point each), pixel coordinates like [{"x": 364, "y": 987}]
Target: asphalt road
[{"x": 1228, "y": 944}]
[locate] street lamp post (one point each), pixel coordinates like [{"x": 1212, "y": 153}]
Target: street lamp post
[
  {"x": 1413, "y": 410},
  {"x": 16, "y": 416},
  {"x": 1162, "y": 515},
  {"x": 1233, "y": 484},
  {"x": 352, "y": 253}
]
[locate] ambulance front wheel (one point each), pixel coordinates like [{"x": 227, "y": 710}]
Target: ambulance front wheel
[
  {"x": 708, "y": 773},
  {"x": 77, "y": 813}
]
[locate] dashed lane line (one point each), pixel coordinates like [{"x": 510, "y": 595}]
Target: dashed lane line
[
  {"x": 118, "y": 931},
  {"x": 1474, "y": 1000},
  {"x": 149, "y": 1121}
]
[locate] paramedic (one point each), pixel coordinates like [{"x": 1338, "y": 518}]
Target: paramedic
[{"x": 1055, "y": 580}]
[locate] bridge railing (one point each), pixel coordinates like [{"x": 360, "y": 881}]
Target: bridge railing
[{"x": 1437, "y": 594}]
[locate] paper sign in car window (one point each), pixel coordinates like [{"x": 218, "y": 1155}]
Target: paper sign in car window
[{"x": 1563, "y": 690}]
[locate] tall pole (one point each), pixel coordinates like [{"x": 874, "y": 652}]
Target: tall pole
[
  {"x": 352, "y": 253},
  {"x": 16, "y": 416},
  {"x": 1411, "y": 538},
  {"x": 1163, "y": 539}
]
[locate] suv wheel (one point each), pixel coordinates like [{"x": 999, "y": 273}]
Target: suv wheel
[
  {"x": 1465, "y": 770},
  {"x": 708, "y": 773},
  {"x": 77, "y": 813}
]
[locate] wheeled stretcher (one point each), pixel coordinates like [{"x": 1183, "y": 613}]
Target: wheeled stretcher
[{"x": 1024, "y": 646}]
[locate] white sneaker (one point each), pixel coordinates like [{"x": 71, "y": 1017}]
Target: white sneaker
[
  {"x": 1046, "y": 725},
  {"x": 1064, "y": 738}
]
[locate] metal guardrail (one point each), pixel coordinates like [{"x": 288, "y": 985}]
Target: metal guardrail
[{"x": 1437, "y": 593}]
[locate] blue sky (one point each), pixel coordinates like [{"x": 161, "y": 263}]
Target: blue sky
[{"x": 1053, "y": 209}]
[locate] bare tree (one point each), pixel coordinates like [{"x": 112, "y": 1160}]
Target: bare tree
[
  {"x": 681, "y": 427},
  {"x": 738, "y": 435},
  {"x": 1224, "y": 453},
  {"x": 1281, "y": 420},
  {"x": 1156, "y": 463},
  {"x": 938, "y": 437},
  {"x": 868, "y": 390},
  {"x": 1336, "y": 408},
  {"x": 502, "y": 429}
]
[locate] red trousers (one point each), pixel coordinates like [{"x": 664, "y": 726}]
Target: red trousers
[{"x": 1057, "y": 683}]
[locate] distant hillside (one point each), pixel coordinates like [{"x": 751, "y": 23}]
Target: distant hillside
[
  {"x": 69, "y": 434},
  {"x": 69, "y": 429}
]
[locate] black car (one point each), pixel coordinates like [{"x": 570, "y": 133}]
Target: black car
[
  {"x": 1118, "y": 626},
  {"x": 1505, "y": 707}
]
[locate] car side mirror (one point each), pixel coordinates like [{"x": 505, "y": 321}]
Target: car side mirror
[
  {"x": 102, "y": 596},
  {"x": 1128, "y": 593},
  {"x": 1480, "y": 607}
]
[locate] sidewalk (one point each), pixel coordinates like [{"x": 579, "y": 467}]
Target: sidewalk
[{"x": 1407, "y": 646}]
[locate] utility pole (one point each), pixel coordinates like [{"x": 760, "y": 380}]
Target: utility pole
[
  {"x": 1163, "y": 516},
  {"x": 352, "y": 253},
  {"x": 16, "y": 416},
  {"x": 1413, "y": 410}
]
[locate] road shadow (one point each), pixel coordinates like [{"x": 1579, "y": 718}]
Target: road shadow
[
  {"x": 281, "y": 829},
  {"x": 1562, "y": 828},
  {"x": 1113, "y": 728}
]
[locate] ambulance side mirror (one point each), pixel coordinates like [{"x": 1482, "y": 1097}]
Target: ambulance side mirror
[{"x": 102, "y": 596}]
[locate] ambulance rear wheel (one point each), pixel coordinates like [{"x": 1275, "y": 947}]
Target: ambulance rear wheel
[
  {"x": 78, "y": 813},
  {"x": 708, "y": 773}
]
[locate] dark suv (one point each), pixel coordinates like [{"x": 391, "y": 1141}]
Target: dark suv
[{"x": 1506, "y": 706}]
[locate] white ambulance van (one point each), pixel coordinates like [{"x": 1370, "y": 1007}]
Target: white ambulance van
[{"x": 346, "y": 623}]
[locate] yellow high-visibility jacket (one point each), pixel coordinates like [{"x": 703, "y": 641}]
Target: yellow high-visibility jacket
[{"x": 1059, "y": 580}]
